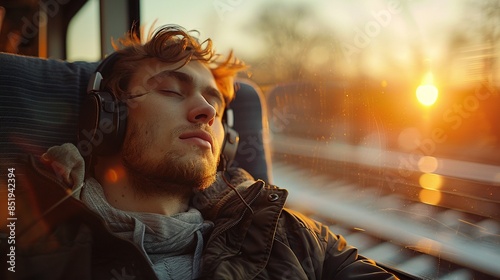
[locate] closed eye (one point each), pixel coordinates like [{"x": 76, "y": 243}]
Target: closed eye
[{"x": 169, "y": 92}]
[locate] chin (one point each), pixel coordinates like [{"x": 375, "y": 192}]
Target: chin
[
  {"x": 183, "y": 169},
  {"x": 206, "y": 183},
  {"x": 201, "y": 170}
]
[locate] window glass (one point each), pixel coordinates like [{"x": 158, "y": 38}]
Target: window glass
[
  {"x": 83, "y": 41},
  {"x": 383, "y": 118}
]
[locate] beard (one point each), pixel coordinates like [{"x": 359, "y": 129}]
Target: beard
[{"x": 173, "y": 174}]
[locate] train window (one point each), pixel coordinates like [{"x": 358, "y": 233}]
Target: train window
[
  {"x": 208, "y": 17},
  {"x": 382, "y": 117},
  {"x": 83, "y": 39}
]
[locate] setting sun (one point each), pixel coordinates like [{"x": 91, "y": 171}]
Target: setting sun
[{"x": 427, "y": 94}]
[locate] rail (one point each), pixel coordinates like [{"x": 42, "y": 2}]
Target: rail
[{"x": 444, "y": 242}]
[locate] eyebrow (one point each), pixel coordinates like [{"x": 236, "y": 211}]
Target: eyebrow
[{"x": 187, "y": 79}]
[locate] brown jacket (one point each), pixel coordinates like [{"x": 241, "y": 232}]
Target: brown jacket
[{"x": 58, "y": 237}]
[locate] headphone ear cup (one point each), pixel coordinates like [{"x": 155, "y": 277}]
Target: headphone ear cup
[
  {"x": 229, "y": 146},
  {"x": 102, "y": 124}
]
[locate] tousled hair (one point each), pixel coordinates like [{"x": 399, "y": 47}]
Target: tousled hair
[{"x": 170, "y": 44}]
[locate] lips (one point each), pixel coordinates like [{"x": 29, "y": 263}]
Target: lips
[{"x": 198, "y": 137}]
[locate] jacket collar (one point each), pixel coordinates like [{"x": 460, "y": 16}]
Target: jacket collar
[
  {"x": 240, "y": 244},
  {"x": 210, "y": 200}
]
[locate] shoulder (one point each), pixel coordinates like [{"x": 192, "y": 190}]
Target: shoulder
[
  {"x": 293, "y": 220},
  {"x": 296, "y": 228}
]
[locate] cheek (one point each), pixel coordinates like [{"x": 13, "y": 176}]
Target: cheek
[
  {"x": 219, "y": 133},
  {"x": 152, "y": 111},
  {"x": 146, "y": 123}
]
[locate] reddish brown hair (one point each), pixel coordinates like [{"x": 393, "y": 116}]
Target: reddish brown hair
[{"x": 171, "y": 44}]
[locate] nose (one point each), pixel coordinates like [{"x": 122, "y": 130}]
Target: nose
[{"x": 201, "y": 111}]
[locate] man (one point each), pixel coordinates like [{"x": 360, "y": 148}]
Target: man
[{"x": 152, "y": 204}]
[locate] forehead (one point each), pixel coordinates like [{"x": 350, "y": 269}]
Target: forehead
[{"x": 153, "y": 72}]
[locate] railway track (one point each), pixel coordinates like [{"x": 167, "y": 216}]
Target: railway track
[{"x": 442, "y": 241}]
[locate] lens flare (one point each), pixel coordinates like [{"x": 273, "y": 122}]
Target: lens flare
[{"x": 114, "y": 174}]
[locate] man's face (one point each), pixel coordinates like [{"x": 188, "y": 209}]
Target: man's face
[{"x": 174, "y": 133}]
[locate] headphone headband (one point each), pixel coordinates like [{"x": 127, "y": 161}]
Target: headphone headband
[{"x": 103, "y": 70}]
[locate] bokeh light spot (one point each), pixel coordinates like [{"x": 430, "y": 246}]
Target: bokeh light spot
[
  {"x": 431, "y": 181},
  {"x": 432, "y": 197},
  {"x": 115, "y": 174},
  {"x": 427, "y": 164},
  {"x": 112, "y": 175},
  {"x": 409, "y": 138}
]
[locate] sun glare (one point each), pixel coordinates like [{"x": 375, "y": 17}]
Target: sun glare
[{"x": 427, "y": 94}]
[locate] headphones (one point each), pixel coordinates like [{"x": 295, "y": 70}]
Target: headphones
[
  {"x": 231, "y": 139},
  {"x": 103, "y": 119}
]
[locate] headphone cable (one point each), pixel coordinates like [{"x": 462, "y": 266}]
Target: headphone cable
[{"x": 223, "y": 173}]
